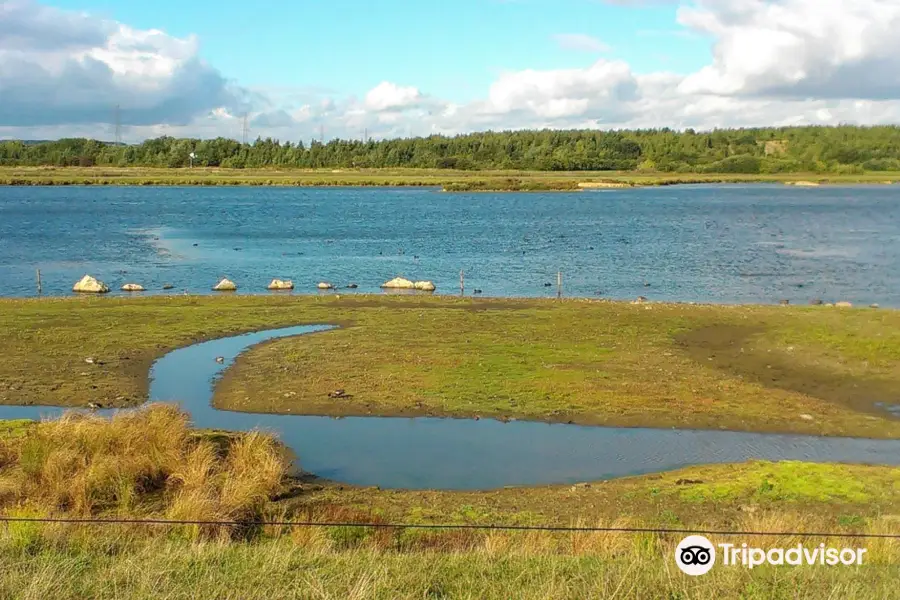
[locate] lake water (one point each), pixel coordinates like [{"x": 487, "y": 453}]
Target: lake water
[
  {"x": 738, "y": 243},
  {"x": 432, "y": 453}
]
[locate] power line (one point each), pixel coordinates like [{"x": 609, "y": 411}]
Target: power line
[{"x": 494, "y": 527}]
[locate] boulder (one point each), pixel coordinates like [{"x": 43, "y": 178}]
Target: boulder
[
  {"x": 399, "y": 283},
  {"x": 132, "y": 287},
  {"x": 323, "y": 285},
  {"x": 89, "y": 285},
  {"x": 425, "y": 286},
  {"x": 226, "y": 285},
  {"x": 281, "y": 284},
  {"x": 843, "y": 304}
]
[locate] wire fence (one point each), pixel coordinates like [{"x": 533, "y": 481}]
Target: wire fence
[{"x": 456, "y": 526}]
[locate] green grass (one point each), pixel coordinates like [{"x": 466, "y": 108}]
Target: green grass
[
  {"x": 794, "y": 482},
  {"x": 14, "y": 427},
  {"x": 447, "y": 179},
  {"x": 751, "y": 368},
  {"x": 284, "y": 569},
  {"x": 738, "y": 496}
]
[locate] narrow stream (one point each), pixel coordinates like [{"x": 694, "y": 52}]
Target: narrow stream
[{"x": 464, "y": 454}]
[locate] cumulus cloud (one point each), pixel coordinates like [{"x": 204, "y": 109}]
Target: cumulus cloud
[
  {"x": 390, "y": 96},
  {"x": 58, "y": 67},
  {"x": 774, "y": 62},
  {"x": 798, "y": 48}
]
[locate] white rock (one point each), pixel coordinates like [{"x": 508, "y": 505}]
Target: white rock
[
  {"x": 843, "y": 304},
  {"x": 132, "y": 287},
  {"x": 399, "y": 283},
  {"x": 89, "y": 285},
  {"x": 281, "y": 284},
  {"x": 425, "y": 286},
  {"x": 226, "y": 285},
  {"x": 324, "y": 285}
]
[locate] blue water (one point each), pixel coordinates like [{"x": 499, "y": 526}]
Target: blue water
[
  {"x": 738, "y": 243},
  {"x": 459, "y": 454}
]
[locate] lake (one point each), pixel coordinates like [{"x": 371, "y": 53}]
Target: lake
[{"x": 722, "y": 243}]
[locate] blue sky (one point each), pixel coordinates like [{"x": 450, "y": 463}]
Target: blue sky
[
  {"x": 449, "y": 49},
  {"x": 418, "y": 67}
]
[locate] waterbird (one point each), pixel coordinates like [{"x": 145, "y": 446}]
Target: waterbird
[{"x": 220, "y": 359}]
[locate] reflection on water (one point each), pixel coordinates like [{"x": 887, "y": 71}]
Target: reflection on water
[{"x": 430, "y": 453}]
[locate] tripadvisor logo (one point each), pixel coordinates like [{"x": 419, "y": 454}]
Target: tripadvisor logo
[{"x": 696, "y": 555}]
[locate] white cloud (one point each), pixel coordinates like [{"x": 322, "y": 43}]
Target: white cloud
[
  {"x": 775, "y": 62},
  {"x": 799, "y": 48},
  {"x": 63, "y": 68},
  {"x": 390, "y": 96},
  {"x": 580, "y": 42}
]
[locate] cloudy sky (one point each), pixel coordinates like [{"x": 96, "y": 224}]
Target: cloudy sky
[{"x": 415, "y": 67}]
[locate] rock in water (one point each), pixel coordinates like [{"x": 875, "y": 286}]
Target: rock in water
[
  {"x": 325, "y": 286},
  {"x": 226, "y": 285},
  {"x": 425, "y": 286},
  {"x": 281, "y": 284},
  {"x": 89, "y": 285},
  {"x": 399, "y": 283},
  {"x": 132, "y": 287},
  {"x": 168, "y": 286}
]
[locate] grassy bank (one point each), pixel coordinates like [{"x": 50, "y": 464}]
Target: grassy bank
[
  {"x": 800, "y": 369},
  {"x": 498, "y": 569},
  {"x": 150, "y": 465},
  {"x": 449, "y": 180}
]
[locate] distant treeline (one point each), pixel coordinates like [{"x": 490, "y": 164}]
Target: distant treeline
[{"x": 843, "y": 149}]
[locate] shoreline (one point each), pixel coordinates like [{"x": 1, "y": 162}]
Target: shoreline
[{"x": 447, "y": 181}]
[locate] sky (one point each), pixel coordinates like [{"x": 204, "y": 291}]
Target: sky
[{"x": 303, "y": 69}]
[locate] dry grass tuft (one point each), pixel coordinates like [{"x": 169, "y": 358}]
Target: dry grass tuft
[{"x": 144, "y": 462}]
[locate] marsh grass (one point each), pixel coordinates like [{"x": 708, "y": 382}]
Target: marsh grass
[
  {"x": 754, "y": 368},
  {"x": 143, "y": 462},
  {"x": 116, "y": 564},
  {"x": 449, "y": 180}
]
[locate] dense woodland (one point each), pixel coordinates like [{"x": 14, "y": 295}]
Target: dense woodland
[{"x": 844, "y": 149}]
